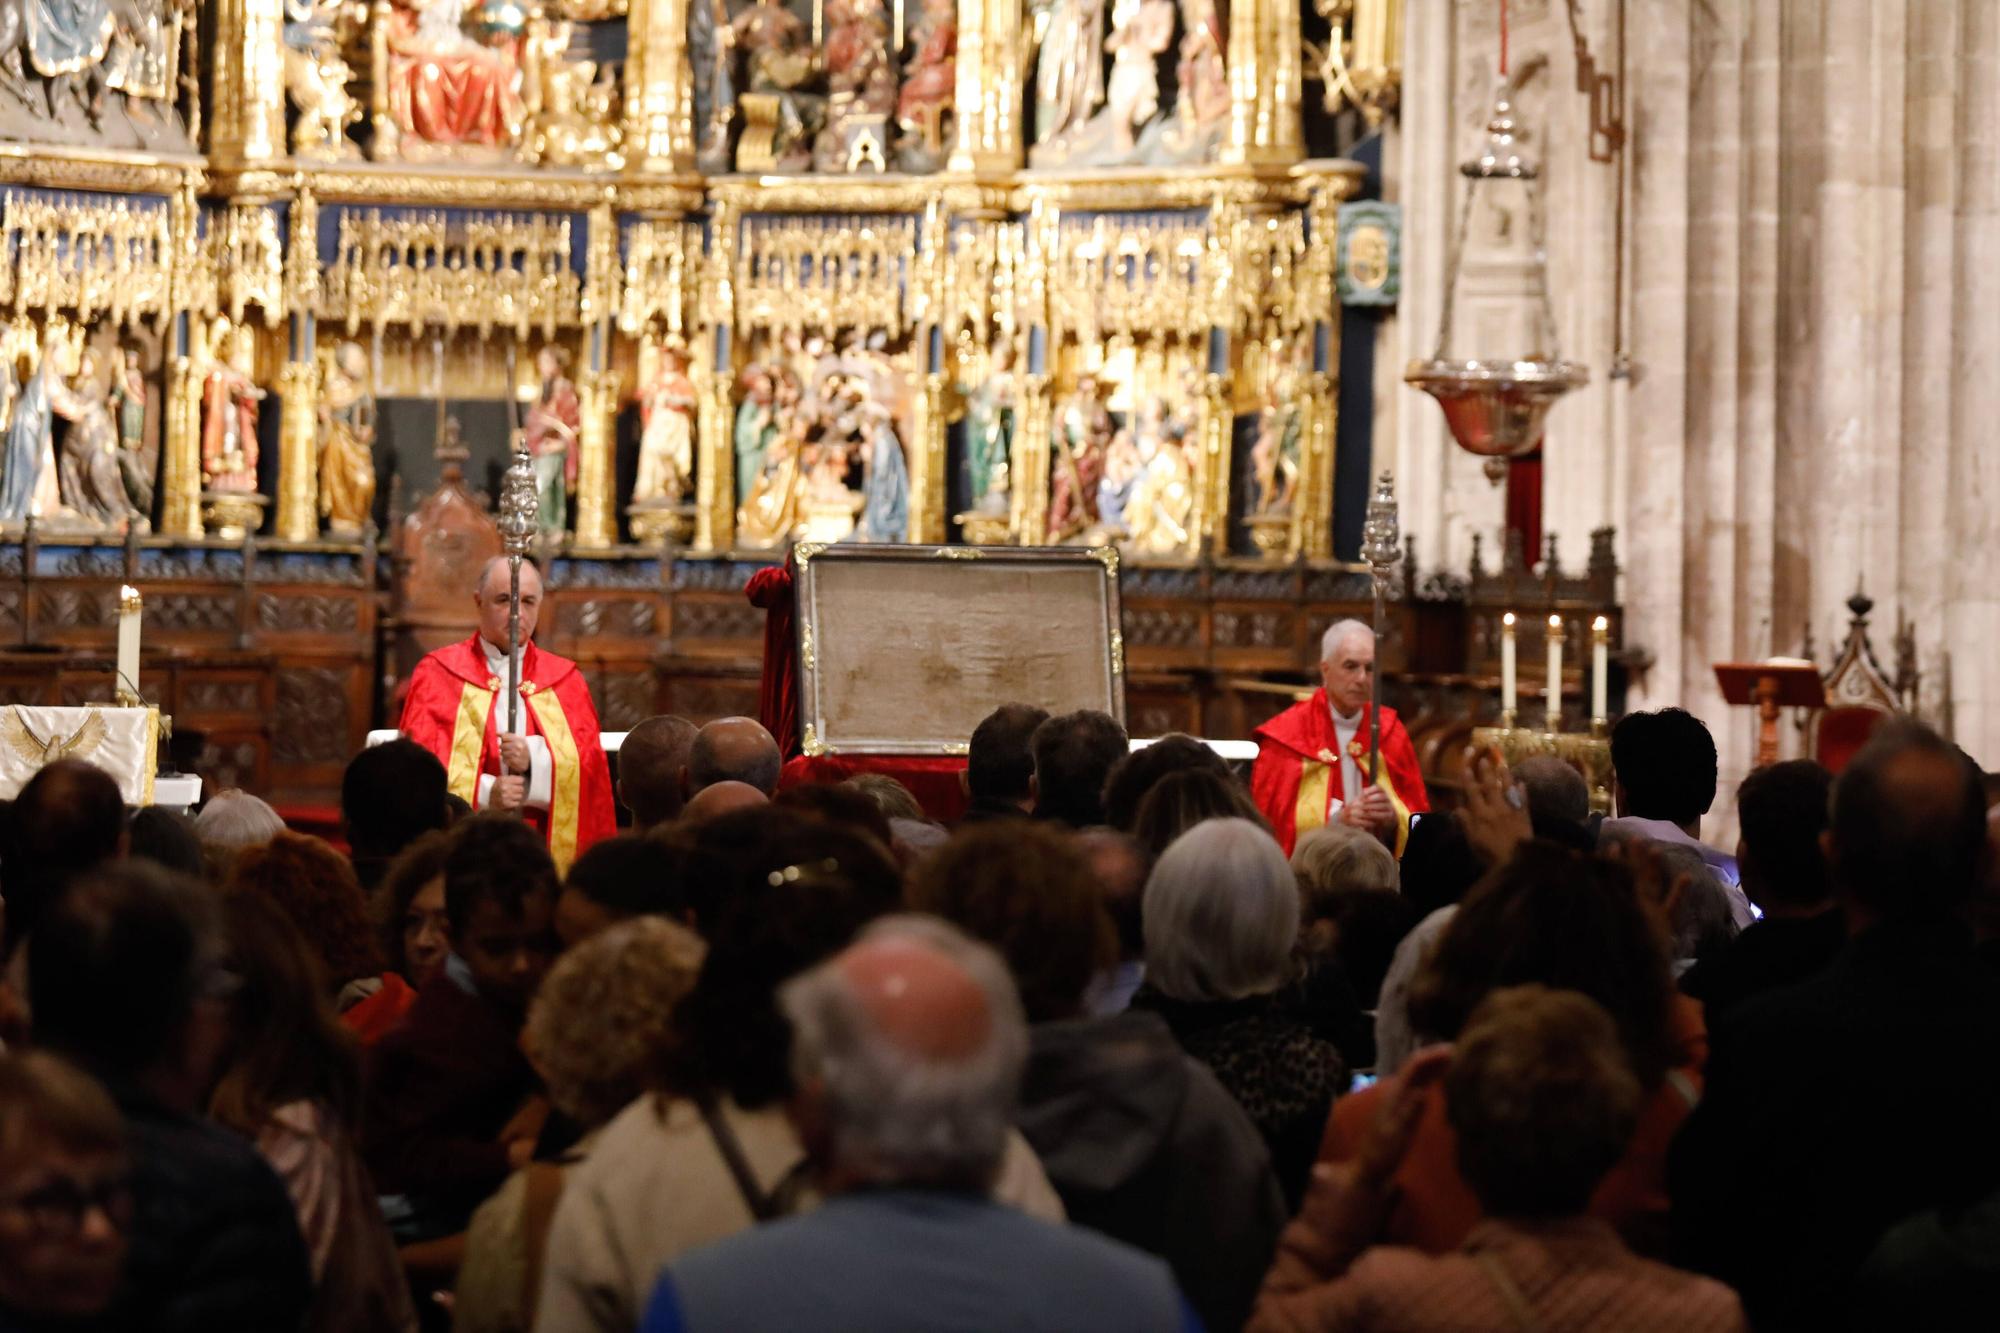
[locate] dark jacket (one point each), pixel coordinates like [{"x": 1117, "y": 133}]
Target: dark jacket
[
  {"x": 1145, "y": 1146},
  {"x": 1282, "y": 1075},
  {"x": 1771, "y": 953},
  {"x": 1807, "y": 1146},
  {"x": 214, "y": 1241},
  {"x": 440, "y": 1088}
]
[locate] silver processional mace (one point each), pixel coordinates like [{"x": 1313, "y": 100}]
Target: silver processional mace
[
  {"x": 1381, "y": 547},
  {"x": 520, "y": 505}
]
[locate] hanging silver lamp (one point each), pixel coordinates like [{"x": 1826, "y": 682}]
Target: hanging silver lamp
[{"x": 1495, "y": 407}]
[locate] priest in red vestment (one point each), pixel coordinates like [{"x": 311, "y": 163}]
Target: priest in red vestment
[
  {"x": 1312, "y": 759},
  {"x": 552, "y": 770}
]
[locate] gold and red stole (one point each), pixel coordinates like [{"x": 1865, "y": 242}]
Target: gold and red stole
[{"x": 451, "y": 711}]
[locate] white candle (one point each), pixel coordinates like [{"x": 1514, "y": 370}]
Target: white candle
[
  {"x": 129, "y": 607},
  {"x": 1509, "y": 681},
  {"x": 1555, "y": 672},
  {"x": 1600, "y": 669}
]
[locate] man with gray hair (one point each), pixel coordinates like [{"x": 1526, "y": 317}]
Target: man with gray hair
[
  {"x": 907, "y": 1057},
  {"x": 1312, "y": 759}
]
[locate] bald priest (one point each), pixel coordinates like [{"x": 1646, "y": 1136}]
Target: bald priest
[
  {"x": 552, "y": 769},
  {"x": 1312, "y": 759}
]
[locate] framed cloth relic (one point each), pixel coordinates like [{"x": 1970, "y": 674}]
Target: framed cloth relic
[{"x": 905, "y": 649}]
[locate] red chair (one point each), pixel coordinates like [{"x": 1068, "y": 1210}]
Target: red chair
[{"x": 1859, "y": 694}]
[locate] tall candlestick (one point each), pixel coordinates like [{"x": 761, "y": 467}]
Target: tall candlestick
[
  {"x": 1555, "y": 673},
  {"x": 1600, "y": 670},
  {"x": 129, "y": 607},
  {"x": 1509, "y": 681}
]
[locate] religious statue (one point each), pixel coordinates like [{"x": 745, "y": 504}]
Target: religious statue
[
  {"x": 571, "y": 105},
  {"x": 1114, "y": 488},
  {"x": 989, "y": 433},
  {"x": 756, "y": 428},
  {"x": 447, "y": 90},
  {"x": 550, "y": 430},
  {"x": 930, "y": 83},
  {"x": 711, "y": 45},
  {"x": 769, "y": 513},
  {"x": 666, "y": 439},
  {"x": 1069, "y": 68},
  {"x": 29, "y": 488},
  {"x": 126, "y": 400},
  {"x": 91, "y": 485},
  {"x": 782, "y": 110},
  {"x": 1274, "y": 465},
  {"x": 346, "y": 442},
  {"x": 861, "y": 86},
  {"x": 1201, "y": 106},
  {"x": 885, "y": 508},
  {"x": 1081, "y": 438},
  {"x": 228, "y": 422},
  {"x": 316, "y": 76},
  {"x": 1140, "y": 31},
  {"x": 1159, "y": 515}
]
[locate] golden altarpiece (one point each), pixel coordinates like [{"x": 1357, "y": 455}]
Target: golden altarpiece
[{"x": 285, "y": 278}]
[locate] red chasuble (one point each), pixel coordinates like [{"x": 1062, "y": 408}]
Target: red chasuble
[
  {"x": 1297, "y": 777},
  {"x": 456, "y": 710}
]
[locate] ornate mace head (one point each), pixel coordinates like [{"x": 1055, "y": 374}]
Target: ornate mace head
[
  {"x": 1381, "y": 533},
  {"x": 520, "y": 505}
]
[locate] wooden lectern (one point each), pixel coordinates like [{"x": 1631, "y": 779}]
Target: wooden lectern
[{"x": 1779, "y": 683}]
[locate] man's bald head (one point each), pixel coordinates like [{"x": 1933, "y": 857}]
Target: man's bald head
[
  {"x": 1556, "y": 790},
  {"x": 1908, "y": 833},
  {"x": 720, "y": 798},
  {"x": 907, "y": 1052},
  {"x": 649, "y": 768},
  {"x": 921, "y": 1002},
  {"x": 490, "y": 598},
  {"x": 733, "y": 749}
]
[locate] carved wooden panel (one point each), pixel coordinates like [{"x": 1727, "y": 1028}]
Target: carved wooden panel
[
  {"x": 187, "y": 612},
  {"x": 68, "y": 608},
  {"x": 1237, "y": 628},
  {"x": 705, "y": 698},
  {"x": 210, "y": 694},
  {"x": 312, "y": 716},
  {"x": 1157, "y": 627},
  {"x": 627, "y": 617},
  {"x": 624, "y": 698},
  {"x": 228, "y": 761},
  {"x": 309, "y": 613},
  {"x": 733, "y": 619}
]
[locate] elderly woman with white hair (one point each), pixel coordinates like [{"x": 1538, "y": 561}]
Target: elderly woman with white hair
[
  {"x": 1352, "y": 916},
  {"x": 230, "y": 822},
  {"x": 1221, "y": 918}
]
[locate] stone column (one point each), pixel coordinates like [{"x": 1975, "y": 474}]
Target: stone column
[
  {"x": 1971, "y": 629},
  {"x": 247, "y": 105}
]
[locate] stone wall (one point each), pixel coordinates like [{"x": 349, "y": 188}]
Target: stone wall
[{"x": 1813, "y": 296}]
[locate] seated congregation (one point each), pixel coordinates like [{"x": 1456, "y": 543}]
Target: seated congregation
[{"x": 1101, "y": 1057}]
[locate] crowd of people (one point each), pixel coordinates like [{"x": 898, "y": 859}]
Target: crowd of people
[{"x": 1101, "y": 1056}]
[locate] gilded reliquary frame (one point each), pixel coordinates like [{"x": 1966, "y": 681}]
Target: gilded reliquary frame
[{"x": 904, "y": 649}]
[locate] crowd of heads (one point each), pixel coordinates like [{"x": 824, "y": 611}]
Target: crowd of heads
[{"x": 1110, "y": 935}]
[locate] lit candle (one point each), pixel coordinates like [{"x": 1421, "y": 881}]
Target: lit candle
[
  {"x": 1509, "y": 682},
  {"x": 129, "y": 607},
  {"x": 1600, "y": 669},
  {"x": 1555, "y": 672}
]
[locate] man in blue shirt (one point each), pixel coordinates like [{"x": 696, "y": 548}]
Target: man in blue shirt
[{"x": 908, "y": 1049}]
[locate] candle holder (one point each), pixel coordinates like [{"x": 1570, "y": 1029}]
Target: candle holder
[{"x": 1590, "y": 755}]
